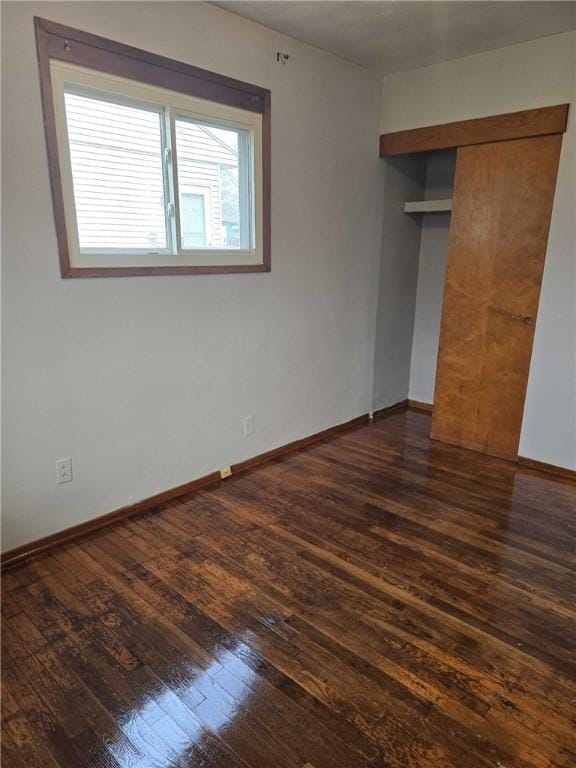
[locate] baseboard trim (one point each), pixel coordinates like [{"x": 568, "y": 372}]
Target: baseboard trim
[
  {"x": 541, "y": 466},
  {"x": 400, "y": 406},
  {"x": 417, "y": 405},
  {"x": 550, "y": 469},
  {"x": 298, "y": 445},
  {"x": 27, "y": 551}
]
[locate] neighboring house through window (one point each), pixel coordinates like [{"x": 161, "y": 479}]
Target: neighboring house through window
[{"x": 193, "y": 219}]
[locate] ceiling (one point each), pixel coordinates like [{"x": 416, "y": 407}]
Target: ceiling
[{"x": 396, "y": 36}]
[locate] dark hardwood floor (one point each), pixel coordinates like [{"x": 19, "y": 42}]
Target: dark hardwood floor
[{"x": 377, "y": 600}]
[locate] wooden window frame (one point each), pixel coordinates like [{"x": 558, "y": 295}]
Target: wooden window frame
[{"x": 58, "y": 42}]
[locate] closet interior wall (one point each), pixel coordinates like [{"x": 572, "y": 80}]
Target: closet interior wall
[
  {"x": 404, "y": 178},
  {"x": 434, "y": 230}
]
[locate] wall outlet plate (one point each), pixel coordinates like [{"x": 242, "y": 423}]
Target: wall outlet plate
[
  {"x": 248, "y": 424},
  {"x": 64, "y": 471},
  {"x": 225, "y": 472}
]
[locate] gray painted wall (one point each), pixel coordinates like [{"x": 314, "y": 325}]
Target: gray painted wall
[
  {"x": 144, "y": 382},
  {"x": 431, "y": 268},
  {"x": 403, "y": 179}
]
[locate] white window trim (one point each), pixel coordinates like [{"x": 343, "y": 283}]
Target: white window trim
[{"x": 173, "y": 104}]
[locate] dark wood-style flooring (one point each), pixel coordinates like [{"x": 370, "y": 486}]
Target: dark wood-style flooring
[{"x": 376, "y": 600}]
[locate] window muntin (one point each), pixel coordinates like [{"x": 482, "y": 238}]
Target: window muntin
[{"x": 144, "y": 242}]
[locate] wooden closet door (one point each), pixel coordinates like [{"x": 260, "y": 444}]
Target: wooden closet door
[{"x": 503, "y": 197}]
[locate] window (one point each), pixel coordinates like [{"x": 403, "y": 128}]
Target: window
[
  {"x": 146, "y": 178},
  {"x": 118, "y": 180}
]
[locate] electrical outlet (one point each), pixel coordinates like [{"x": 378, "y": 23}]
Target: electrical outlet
[
  {"x": 248, "y": 424},
  {"x": 64, "y": 471},
  {"x": 225, "y": 472}
]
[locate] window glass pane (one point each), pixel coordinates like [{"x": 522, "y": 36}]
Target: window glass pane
[
  {"x": 214, "y": 160},
  {"x": 116, "y": 154},
  {"x": 193, "y": 217}
]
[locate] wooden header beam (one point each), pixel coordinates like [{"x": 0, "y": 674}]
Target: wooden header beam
[{"x": 514, "y": 125}]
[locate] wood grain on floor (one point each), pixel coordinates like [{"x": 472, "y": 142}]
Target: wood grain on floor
[{"x": 378, "y": 600}]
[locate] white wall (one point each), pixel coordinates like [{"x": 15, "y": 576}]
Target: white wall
[
  {"x": 428, "y": 311},
  {"x": 403, "y": 179},
  {"x": 439, "y": 185},
  {"x": 144, "y": 381},
  {"x": 533, "y": 74}
]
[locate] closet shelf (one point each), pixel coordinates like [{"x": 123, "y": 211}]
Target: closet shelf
[{"x": 428, "y": 206}]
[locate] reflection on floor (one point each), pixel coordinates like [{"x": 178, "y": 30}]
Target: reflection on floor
[{"x": 377, "y": 600}]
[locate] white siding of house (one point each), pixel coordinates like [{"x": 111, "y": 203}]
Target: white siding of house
[
  {"x": 192, "y": 175},
  {"x": 116, "y": 157}
]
